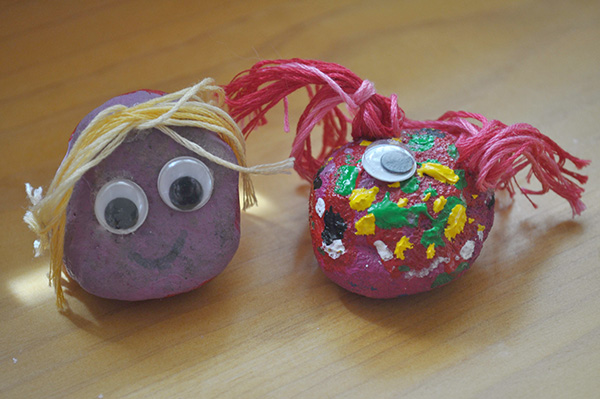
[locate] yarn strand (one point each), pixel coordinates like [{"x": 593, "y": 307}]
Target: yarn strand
[
  {"x": 498, "y": 152},
  {"x": 251, "y": 94},
  {"x": 493, "y": 151}
]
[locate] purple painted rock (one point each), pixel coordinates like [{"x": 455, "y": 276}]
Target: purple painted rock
[{"x": 153, "y": 219}]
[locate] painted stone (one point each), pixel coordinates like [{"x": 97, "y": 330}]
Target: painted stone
[
  {"x": 386, "y": 239},
  {"x": 177, "y": 247}
]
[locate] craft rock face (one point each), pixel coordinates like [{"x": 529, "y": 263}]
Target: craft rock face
[
  {"x": 387, "y": 239},
  {"x": 176, "y": 247}
]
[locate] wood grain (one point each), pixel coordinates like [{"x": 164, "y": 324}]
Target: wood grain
[{"x": 524, "y": 322}]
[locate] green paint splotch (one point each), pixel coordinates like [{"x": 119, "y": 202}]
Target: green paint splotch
[
  {"x": 421, "y": 142},
  {"x": 435, "y": 235},
  {"x": 445, "y": 278},
  {"x": 346, "y": 181},
  {"x": 388, "y": 215},
  {"x": 431, "y": 191},
  {"x": 462, "y": 181},
  {"x": 410, "y": 186},
  {"x": 453, "y": 151}
]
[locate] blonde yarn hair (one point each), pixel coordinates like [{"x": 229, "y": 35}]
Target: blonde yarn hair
[{"x": 197, "y": 106}]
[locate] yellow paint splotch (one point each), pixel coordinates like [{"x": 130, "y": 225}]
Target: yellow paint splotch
[
  {"x": 430, "y": 251},
  {"x": 366, "y": 225},
  {"x": 456, "y": 221},
  {"x": 362, "y": 198},
  {"x": 439, "y": 172},
  {"x": 402, "y": 246},
  {"x": 439, "y": 203}
]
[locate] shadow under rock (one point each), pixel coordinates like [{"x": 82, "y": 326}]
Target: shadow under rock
[
  {"x": 112, "y": 319},
  {"x": 497, "y": 288}
]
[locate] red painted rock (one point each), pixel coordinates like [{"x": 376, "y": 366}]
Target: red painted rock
[
  {"x": 403, "y": 215},
  {"x": 384, "y": 239}
]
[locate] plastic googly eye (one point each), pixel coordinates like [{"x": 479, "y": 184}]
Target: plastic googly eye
[
  {"x": 185, "y": 184},
  {"x": 389, "y": 161},
  {"x": 121, "y": 206}
]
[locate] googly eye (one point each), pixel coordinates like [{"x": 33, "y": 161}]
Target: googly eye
[
  {"x": 185, "y": 184},
  {"x": 389, "y": 161},
  {"x": 121, "y": 206}
]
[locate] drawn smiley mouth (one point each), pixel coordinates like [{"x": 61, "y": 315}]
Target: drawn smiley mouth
[{"x": 164, "y": 262}]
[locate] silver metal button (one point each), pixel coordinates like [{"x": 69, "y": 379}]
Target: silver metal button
[{"x": 389, "y": 161}]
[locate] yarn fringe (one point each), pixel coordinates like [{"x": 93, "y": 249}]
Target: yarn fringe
[
  {"x": 251, "y": 94},
  {"x": 498, "y": 152},
  {"x": 495, "y": 152}
]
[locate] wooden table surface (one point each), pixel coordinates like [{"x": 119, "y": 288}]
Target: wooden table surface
[{"x": 523, "y": 322}]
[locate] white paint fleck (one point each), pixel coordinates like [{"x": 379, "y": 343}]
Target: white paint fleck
[
  {"x": 383, "y": 251},
  {"x": 335, "y": 249},
  {"x": 15, "y": 360},
  {"x": 467, "y": 250},
  {"x": 320, "y": 207},
  {"x": 427, "y": 271},
  {"x": 100, "y": 396},
  {"x": 480, "y": 235}
]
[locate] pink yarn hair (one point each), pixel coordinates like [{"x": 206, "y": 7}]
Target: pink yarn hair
[{"x": 495, "y": 152}]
